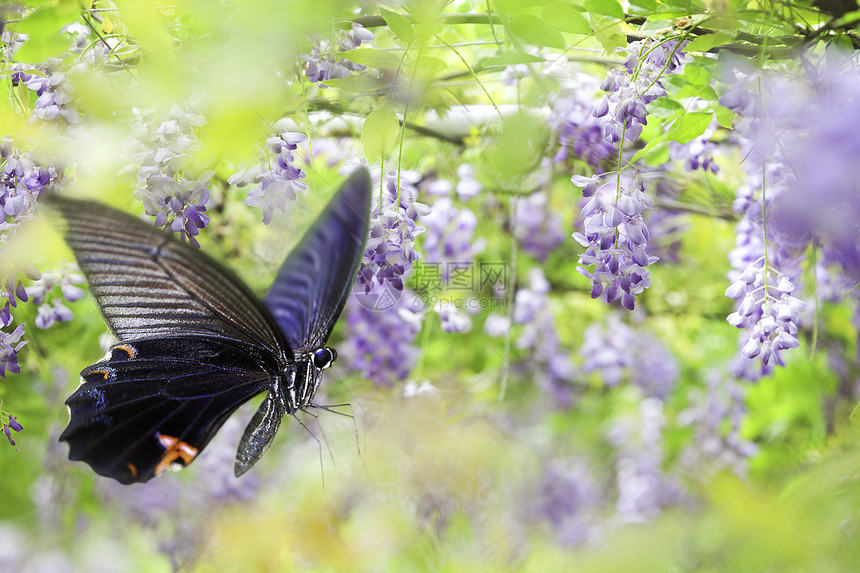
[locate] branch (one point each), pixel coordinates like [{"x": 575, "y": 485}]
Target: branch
[{"x": 696, "y": 208}]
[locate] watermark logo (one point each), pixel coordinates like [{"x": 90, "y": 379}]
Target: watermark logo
[{"x": 463, "y": 285}]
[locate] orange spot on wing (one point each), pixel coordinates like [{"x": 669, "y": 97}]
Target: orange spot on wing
[
  {"x": 105, "y": 373},
  {"x": 132, "y": 351},
  {"x": 173, "y": 450},
  {"x": 132, "y": 468}
]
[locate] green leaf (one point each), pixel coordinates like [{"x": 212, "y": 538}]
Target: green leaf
[
  {"x": 566, "y": 18},
  {"x": 654, "y": 142},
  {"x": 400, "y": 25},
  {"x": 648, "y": 5},
  {"x": 145, "y": 23},
  {"x": 654, "y": 24},
  {"x": 724, "y": 116},
  {"x": 379, "y": 132},
  {"x": 703, "y": 92},
  {"x": 605, "y": 7},
  {"x": 697, "y": 75},
  {"x": 684, "y": 4},
  {"x": 510, "y": 59},
  {"x": 707, "y": 41},
  {"x": 510, "y": 6},
  {"x": 609, "y": 33},
  {"x": 664, "y": 107},
  {"x": 372, "y": 57},
  {"x": 520, "y": 147},
  {"x": 535, "y": 31},
  {"x": 359, "y": 83},
  {"x": 43, "y": 26},
  {"x": 689, "y": 126},
  {"x": 432, "y": 64}
]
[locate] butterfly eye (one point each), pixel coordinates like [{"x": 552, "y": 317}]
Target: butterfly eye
[{"x": 324, "y": 357}]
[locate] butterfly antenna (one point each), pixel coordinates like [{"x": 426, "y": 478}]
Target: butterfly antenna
[
  {"x": 319, "y": 447},
  {"x": 363, "y": 416}
]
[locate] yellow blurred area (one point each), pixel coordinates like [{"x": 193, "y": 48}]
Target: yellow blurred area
[{"x": 432, "y": 472}]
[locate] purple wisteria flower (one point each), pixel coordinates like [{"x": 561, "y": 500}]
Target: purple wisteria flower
[
  {"x": 467, "y": 186},
  {"x": 716, "y": 445},
  {"x": 380, "y": 343},
  {"x": 497, "y": 325},
  {"x": 171, "y": 188},
  {"x": 644, "y": 489},
  {"x": 452, "y": 317},
  {"x": 579, "y": 130},
  {"x": 278, "y": 178},
  {"x": 606, "y": 349},
  {"x": 55, "y": 101},
  {"x": 391, "y": 250},
  {"x": 767, "y": 309},
  {"x": 43, "y": 294},
  {"x": 769, "y": 314},
  {"x": 633, "y": 88},
  {"x": 332, "y": 151},
  {"x": 619, "y": 353},
  {"x": 666, "y": 226},
  {"x": 550, "y": 362},
  {"x": 22, "y": 180},
  {"x": 10, "y": 424},
  {"x": 538, "y": 227},
  {"x": 10, "y": 344},
  {"x": 824, "y": 155},
  {"x": 449, "y": 240},
  {"x": 570, "y": 499},
  {"x": 322, "y": 65},
  {"x": 13, "y": 290},
  {"x": 698, "y": 153},
  {"x": 615, "y": 237}
]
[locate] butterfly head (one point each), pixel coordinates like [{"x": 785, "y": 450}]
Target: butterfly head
[{"x": 324, "y": 357}]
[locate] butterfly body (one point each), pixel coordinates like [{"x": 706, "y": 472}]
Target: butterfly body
[{"x": 195, "y": 343}]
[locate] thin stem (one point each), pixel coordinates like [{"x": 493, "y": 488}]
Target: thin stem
[
  {"x": 506, "y": 370},
  {"x": 465, "y": 63},
  {"x": 815, "y": 318},
  {"x": 764, "y": 222}
]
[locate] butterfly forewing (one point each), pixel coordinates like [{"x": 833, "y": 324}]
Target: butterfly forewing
[
  {"x": 315, "y": 280},
  {"x": 147, "y": 284},
  {"x": 158, "y": 402},
  {"x": 195, "y": 343}
]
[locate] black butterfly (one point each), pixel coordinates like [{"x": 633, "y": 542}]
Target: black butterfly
[{"x": 194, "y": 341}]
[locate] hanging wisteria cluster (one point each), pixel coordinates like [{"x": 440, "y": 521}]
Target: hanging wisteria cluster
[
  {"x": 644, "y": 489},
  {"x": 43, "y": 294},
  {"x": 548, "y": 358},
  {"x": 381, "y": 341},
  {"x": 278, "y": 178},
  {"x": 619, "y": 353},
  {"x": 170, "y": 184},
  {"x": 579, "y": 130},
  {"x": 717, "y": 445},
  {"x": 323, "y": 63},
  {"x": 615, "y": 237},
  {"x": 394, "y": 225},
  {"x": 538, "y": 227},
  {"x": 634, "y": 87},
  {"x": 615, "y": 234}
]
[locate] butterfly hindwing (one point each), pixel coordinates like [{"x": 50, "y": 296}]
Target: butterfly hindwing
[
  {"x": 148, "y": 284},
  {"x": 315, "y": 280},
  {"x": 157, "y": 402}
]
